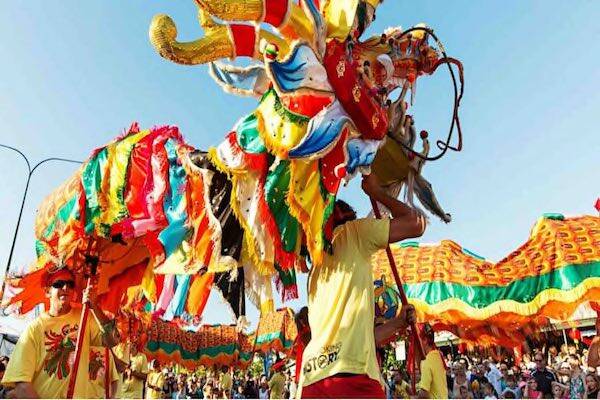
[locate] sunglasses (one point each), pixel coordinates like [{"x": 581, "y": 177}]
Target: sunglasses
[{"x": 59, "y": 284}]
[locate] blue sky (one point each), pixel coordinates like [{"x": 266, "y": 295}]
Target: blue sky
[{"x": 76, "y": 73}]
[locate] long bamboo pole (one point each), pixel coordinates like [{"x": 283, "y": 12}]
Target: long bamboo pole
[
  {"x": 403, "y": 298},
  {"x": 79, "y": 346}
]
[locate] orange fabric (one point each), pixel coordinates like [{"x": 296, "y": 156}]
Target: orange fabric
[{"x": 198, "y": 293}]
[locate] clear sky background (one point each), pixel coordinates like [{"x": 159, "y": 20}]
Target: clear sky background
[{"x": 74, "y": 74}]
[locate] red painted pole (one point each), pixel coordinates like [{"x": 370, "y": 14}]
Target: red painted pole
[
  {"x": 416, "y": 339},
  {"x": 79, "y": 346},
  {"x": 107, "y": 370}
]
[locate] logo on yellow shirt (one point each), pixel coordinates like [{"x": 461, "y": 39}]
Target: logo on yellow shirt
[
  {"x": 59, "y": 348},
  {"x": 328, "y": 355},
  {"x": 96, "y": 368}
]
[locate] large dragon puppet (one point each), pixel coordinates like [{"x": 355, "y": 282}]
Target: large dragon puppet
[{"x": 170, "y": 222}]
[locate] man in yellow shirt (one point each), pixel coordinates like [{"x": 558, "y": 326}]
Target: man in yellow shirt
[
  {"x": 133, "y": 366},
  {"x": 43, "y": 358},
  {"x": 277, "y": 382},
  {"x": 340, "y": 360},
  {"x": 155, "y": 382},
  {"x": 433, "y": 384},
  {"x": 226, "y": 381}
]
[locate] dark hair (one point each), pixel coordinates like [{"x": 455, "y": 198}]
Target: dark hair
[
  {"x": 427, "y": 334},
  {"x": 342, "y": 213}
]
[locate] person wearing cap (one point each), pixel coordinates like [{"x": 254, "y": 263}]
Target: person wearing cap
[
  {"x": 42, "y": 361},
  {"x": 340, "y": 361}
]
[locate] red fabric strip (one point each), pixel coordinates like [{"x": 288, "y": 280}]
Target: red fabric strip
[
  {"x": 276, "y": 11},
  {"x": 244, "y": 39}
]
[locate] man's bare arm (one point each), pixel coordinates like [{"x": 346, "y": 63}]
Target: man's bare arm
[
  {"x": 384, "y": 332},
  {"x": 406, "y": 222},
  {"x": 23, "y": 390}
]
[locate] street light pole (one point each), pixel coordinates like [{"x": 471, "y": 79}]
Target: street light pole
[{"x": 30, "y": 172}]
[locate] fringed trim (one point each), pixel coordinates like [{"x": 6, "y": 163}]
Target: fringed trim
[
  {"x": 256, "y": 163},
  {"x": 263, "y": 267},
  {"x": 283, "y": 112},
  {"x": 216, "y": 262}
]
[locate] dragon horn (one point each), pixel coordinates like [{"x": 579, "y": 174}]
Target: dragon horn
[
  {"x": 216, "y": 44},
  {"x": 221, "y": 40}
]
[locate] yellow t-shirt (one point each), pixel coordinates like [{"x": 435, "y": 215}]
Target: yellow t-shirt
[
  {"x": 97, "y": 372},
  {"x": 132, "y": 388},
  {"x": 433, "y": 376},
  {"x": 226, "y": 382},
  {"x": 45, "y": 353},
  {"x": 341, "y": 305},
  {"x": 156, "y": 379},
  {"x": 277, "y": 386}
]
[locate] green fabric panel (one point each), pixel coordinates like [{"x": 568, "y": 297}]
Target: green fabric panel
[
  {"x": 276, "y": 188},
  {"x": 68, "y": 210},
  {"x": 212, "y": 352},
  {"x": 522, "y": 291},
  {"x": 92, "y": 180},
  {"x": 268, "y": 337},
  {"x": 409, "y": 244},
  {"x": 123, "y": 157},
  {"x": 555, "y": 216},
  {"x": 330, "y": 201},
  {"x": 288, "y": 277},
  {"x": 49, "y": 229},
  {"x": 248, "y": 136},
  {"x": 40, "y": 248}
]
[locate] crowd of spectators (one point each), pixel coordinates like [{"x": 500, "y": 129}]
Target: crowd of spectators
[
  {"x": 224, "y": 384},
  {"x": 559, "y": 373}
]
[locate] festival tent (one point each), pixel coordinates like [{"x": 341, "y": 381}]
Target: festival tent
[{"x": 483, "y": 302}]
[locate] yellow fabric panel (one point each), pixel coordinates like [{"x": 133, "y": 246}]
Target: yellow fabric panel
[
  {"x": 148, "y": 285},
  {"x": 118, "y": 160},
  {"x": 339, "y": 16},
  {"x": 298, "y": 25},
  {"x": 307, "y": 204},
  {"x": 278, "y": 134},
  {"x": 53, "y": 202}
]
